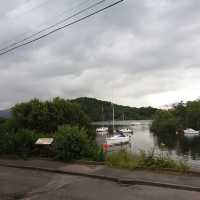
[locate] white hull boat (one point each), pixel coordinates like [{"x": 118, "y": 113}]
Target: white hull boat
[
  {"x": 126, "y": 131},
  {"x": 191, "y": 132},
  {"x": 118, "y": 139},
  {"x": 102, "y": 130}
]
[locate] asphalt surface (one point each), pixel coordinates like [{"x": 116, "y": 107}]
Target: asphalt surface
[{"x": 37, "y": 185}]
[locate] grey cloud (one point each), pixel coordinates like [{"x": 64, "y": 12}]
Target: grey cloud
[{"x": 130, "y": 54}]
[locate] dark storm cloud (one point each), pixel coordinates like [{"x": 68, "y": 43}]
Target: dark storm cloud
[{"x": 137, "y": 53}]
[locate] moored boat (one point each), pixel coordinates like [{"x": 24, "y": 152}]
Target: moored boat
[
  {"x": 119, "y": 138},
  {"x": 126, "y": 131},
  {"x": 102, "y": 130}
]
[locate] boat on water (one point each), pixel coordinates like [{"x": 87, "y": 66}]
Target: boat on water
[
  {"x": 118, "y": 138},
  {"x": 189, "y": 132},
  {"x": 126, "y": 131},
  {"x": 102, "y": 130}
]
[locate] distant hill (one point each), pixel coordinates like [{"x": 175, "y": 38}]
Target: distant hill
[
  {"x": 5, "y": 113},
  {"x": 93, "y": 108}
]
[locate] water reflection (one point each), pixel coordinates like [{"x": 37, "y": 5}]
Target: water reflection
[
  {"x": 143, "y": 139},
  {"x": 189, "y": 146}
]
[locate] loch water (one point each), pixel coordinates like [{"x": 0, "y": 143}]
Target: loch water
[{"x": 177, "y": 147}]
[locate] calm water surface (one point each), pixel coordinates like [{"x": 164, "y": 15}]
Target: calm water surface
[{"x": 177, "y": 147}]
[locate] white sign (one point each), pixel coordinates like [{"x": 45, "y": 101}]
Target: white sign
[{"x": 44, "y": 141}]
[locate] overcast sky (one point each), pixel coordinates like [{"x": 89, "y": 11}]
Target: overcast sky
[{"x": 138, "y": 53}]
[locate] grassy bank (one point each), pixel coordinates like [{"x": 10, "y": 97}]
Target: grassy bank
[{"x": 130, "y": 161}]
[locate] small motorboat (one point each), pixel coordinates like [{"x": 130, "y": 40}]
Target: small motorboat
[
  {"x": 126, "y": 131},
  {"x": 119, "y": 138},
  {"x": 102, "y": 130},
  {"x": 189, "y": 132}
]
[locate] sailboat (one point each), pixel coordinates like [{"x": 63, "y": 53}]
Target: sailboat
[
  {"x": 102, "y": 130},
  {"x": 119, "y": 137},
  {"x": 126, "y": 131}
]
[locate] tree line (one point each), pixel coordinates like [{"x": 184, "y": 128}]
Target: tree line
[
  {"x": 93, "y": 108},
  {"x": 180, "y": 116}
]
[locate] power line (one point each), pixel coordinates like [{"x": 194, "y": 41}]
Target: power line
[
  {"x": 8, "y": 45},
  {"x": 22, "y": 14},
  {"x": 63, "y": 27},
  {"x": 54, "y": 25}
]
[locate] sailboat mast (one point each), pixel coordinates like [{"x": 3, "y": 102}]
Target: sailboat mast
[
  {"x": 102, "y": 110},
  {"x": 113, "y": 116}
]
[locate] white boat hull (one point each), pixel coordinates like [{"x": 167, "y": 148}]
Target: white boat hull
[
  {"x": 103, "y": 129},
  {"x": 117, "y": 140},
  {"x": 126, "y": 131},
  {"x": 102, "y": 133},
  {"x": 191, "y": 133}
]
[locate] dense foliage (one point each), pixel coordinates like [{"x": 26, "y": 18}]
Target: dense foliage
[
  {"x": 93, "y": 108},
  {"x": 18, "y": 143},
  {"x": 34, "y": 119},
  {"x": 72, "y": 143},
  {"x": 164, "y": 123},
  {"x": 147, "y": 160},
  {"x": 181, "y": 116},
  {"x": 47, "y": 116}
]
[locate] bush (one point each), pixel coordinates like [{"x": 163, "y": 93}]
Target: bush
[
  {"x": 126, "y": 160},
  {"x": 122, "y": 159},
  {"x": 25, "y": 142},
  {"x": 47, "y": 116},
  {"x": 7, "y": 143},
  {"x": 164, "y": 122},
  {"x": 72, "y": 143},
  {"x": 20, "y": 143}
]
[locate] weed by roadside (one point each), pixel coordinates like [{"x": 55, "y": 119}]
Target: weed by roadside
[{"x": 149, "y": 160}]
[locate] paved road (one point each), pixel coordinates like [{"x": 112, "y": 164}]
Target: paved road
[{"x": 33, "y": 185}]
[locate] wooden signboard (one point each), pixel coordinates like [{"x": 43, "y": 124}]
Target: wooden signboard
[{"x": 44, "y": 141}]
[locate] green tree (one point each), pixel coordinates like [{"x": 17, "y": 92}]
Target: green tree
[
  {"x": 72, "y": 143},
  {"x": 193, "y": 115},
  {"x": 47, "y": 116},
  {"x": 164, "y": 122}
]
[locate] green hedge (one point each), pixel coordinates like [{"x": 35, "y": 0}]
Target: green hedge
[
  {"x": 18, "y": 143},
  {"x": 72, "y": 143}
]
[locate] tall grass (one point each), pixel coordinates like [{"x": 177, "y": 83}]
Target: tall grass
[{"x": 149, "y": 160}]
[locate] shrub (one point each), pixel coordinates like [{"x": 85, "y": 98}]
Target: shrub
[
  {"x": 7, "y": 143},
  {"x": 21, "y": 142},
  {"x": 126, "y": 160},
  {"x": 47, "y": 116},
  {"x": 122, "y": 159},
  {"x": 164, "y": 122},
  {"x": 25, "y": 142},
  {"x": 72, "y": 143}
]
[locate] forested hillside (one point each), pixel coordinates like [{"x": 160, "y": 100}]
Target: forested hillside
[{"x": 93, "y": 108}]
